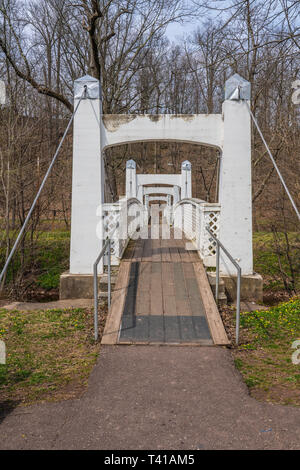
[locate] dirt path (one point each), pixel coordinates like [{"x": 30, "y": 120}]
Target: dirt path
[
  {"x": 59, "y": 304},
  {"x": 151, "y": 397}
]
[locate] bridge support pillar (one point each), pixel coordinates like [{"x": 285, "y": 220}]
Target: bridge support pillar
[
  {"x": 88, "y": 177},
  {"x": 186, "y": 180},
  {"x": 235, "y": 194},
  {"x": 131, "y": 186}
]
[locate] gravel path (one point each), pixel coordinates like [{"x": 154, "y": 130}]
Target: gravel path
[{"x": 151, "y": 397}]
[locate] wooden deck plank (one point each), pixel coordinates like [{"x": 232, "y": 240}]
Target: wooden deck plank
[
  {"x": 175, "y": 256},
  {"x": 167, "y": 275},
  {"x": 112, "y": 326},
  {"x": 138, "y": 251},
  {"x": 143, "y": 302},
  {"x": 156, "y": 251},
  {"x": 184, "y": 255},
  {"x": 128, "y": 254},
  {"x": 169, "y": 305},
  {"x": 214, "y": 320},
  {"x": 188, "y": 270},
  {"x": 165, "y": 251},
  {"x": 147, "y": 251},
  {"x": 144, "y": 279},
  {"x": 156, "y": 293},
  {"x": 183, "y": 307},
  {"x": 194, "y": 256}
]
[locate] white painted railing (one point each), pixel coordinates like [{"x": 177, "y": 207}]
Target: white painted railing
[
  {"x": 192, "y": 216},
  {"x": 130, "y": 215}
]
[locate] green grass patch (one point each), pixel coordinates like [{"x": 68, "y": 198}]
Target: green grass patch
[
  {"x": 44, "y": 261},
  {"x": 264, "y": 356},
  {"x": 47, "y": 351},
  {"x": 266, "y": 259}
]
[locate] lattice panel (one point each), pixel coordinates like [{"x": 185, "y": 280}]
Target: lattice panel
[
  {"x": 111, "y": 218},
  {"x": 211, "y": 220},
  {"x": 193, "y": 217}
]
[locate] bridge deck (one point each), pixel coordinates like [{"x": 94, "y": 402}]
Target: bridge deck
[{"x": 162, "y": 296}]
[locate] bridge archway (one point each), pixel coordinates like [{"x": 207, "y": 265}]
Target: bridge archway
[{"x": 229, "y": 131}]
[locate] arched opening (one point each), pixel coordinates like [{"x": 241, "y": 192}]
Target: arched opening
[{"x": 163, "y": 157}]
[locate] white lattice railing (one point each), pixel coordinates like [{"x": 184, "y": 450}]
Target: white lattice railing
[
  {"x": 192, "y": 216},
  {"x": 129, "y": 214}
]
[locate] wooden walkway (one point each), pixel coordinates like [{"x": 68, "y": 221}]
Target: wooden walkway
[{"x": 162, "y": 295}]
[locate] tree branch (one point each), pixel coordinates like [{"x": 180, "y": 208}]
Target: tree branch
[{"x": 43, "y": 90}]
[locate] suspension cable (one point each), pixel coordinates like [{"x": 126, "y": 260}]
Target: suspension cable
[
  {"x": 273, "y": 161},
  {"x": 40, "y": 189}
]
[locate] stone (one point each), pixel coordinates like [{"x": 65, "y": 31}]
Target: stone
[
  {"x": 251, "y": 287},
  {"x": 81, "y": 286}
]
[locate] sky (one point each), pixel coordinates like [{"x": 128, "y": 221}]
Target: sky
[{"x": 175, "y": 30}]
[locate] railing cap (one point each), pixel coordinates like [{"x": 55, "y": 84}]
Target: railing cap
[
  {"x": 131, "y": 165},
  {"x": 186, "y": 165}
]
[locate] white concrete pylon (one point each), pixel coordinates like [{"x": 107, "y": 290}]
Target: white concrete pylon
[
  {"x": 235, "y": 194},
  {"x": 2, "y": 92},
  {"x": 88, "y": 178},
  {"x": 186, "y": 180},
  {"x": 131, "y": 188}
]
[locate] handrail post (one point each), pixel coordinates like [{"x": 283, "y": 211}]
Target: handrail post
[
  {"x": 95, "y": 302},
  {"x": 217, "y": 272},
  {"x": 106, "y": 249},
  {"x": 239, "y": 275},
  {"x": 109, "y": 272},
  {"x": 238, "y": 305}
]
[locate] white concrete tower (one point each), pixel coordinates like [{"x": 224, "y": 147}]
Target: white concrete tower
[
  {"x": 131, "y": 189},
  {"x": 235, "y": 193},
  {"x": 88, "y": 177},
  {"x": 186, "y": 179}
]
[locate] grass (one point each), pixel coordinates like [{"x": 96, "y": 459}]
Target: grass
[
  {"x": 52, "y": 258},
  {"x": 49, "y": 354},
  {"x": 45, "y": 263},
  {"x": 266, "y": 259},
  {"x": 264, "y": 356}
]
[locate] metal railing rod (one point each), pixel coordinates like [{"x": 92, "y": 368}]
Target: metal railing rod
[
  {"x": 105, "y": 250},
  {"x": 217, "y": 272},
  {"x": 95, "y": 270},
  {"x": 239, "y": 275},
  {"x": 274, "y": 162},
  {"x": 109, "y": 272}
]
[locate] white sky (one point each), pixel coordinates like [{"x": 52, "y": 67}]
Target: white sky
[{"x": 175, "y": 31}]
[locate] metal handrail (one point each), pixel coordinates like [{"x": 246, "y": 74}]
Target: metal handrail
[
  {"x": 106, "y": 250},
  {"x": 239, "y": 275}
]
